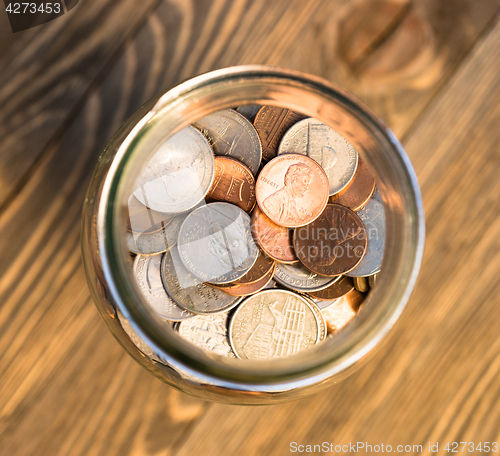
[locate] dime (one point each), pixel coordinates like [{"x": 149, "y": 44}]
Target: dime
[
  {"x": 188, "y": 291},
  {"x": 250, "y": 288},
  {"x": 361, "y": 284},
  {"x": 324, "y": 145},
  {"x": 276, "y": 241},
  {"x": 147, "y": 273},
  {"x": 360, "y": 189},
  {"x": 234, "y": 183},
  {"x": 334, "y": 291},
  {"x": 373, "y": 217},
  {"x": 271, "y": 124},
  {"x": 216, "y": 244},
  {"x": 208, "y": 332},
  {"x": 299, "y": 278},
  {"x": 157, "y": 242},
  {"x": 292, "y": 190},
  {"x": 232, "y": 135},
  {"x": 142, "y": 219},
  {"x": 333, "y": 244},
  {"x": 249, "y": 111},
  {"x": 273, "y": 324},
  {"x": 178, "y": 175}
]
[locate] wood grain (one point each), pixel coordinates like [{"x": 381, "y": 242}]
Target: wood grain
[{"x": 70, "y": 387}]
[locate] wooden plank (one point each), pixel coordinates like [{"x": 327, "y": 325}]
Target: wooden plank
[{"x": 436, "y": 377}]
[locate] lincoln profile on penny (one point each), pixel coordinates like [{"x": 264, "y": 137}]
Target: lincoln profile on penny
[{"x": 283, "y": 204}]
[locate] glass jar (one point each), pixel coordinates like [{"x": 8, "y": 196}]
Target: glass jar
[{"x": 152, "y": 340}]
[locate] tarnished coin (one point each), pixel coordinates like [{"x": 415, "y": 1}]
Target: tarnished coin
[
  {"x": 188, "y": 291},
  {"x": 159, "y": 241},
  {"x": 142, "y": 219},
  {"x": 276, "y": 241},
  {"x": 292, "y": 190},
  {"x": 273, "y": 324},
  {"x": 232, "y": 135},
  {"x": 361, "y": 284},
  {"x": 178, "y": 175},
  {"x": 216, "y": 243},
  {"x": 360, "y": 189},
  {"x": 147, "y": 273},
  {"x": 208, "y": 332},
  {"x": 324, "y": 145},
  {"x": 334, "y": 291},
  {"x": 249, "y": 111},
  {"x": 299, "y": 278},
  {"x": 246, "y": 289},
  {"x": 373, "y": 217},
  {"x": 271, "y": 124},
  {"x": 234, "y": 183},
  {"x": 333, "y": 244}
]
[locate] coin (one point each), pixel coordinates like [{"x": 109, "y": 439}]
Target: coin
[
  {"x": 361, "y": 284},
  {"x": 246, "y": 289},
  {"x": 208, "y": 332},
  {"x": 276, "y": 241},
  {"x": 324, "y": 145},
  {"x": 299, "y": 278},
  {"x": 376, "y": 195},
  {"x": 157, "y": 242},
  {"x": 188, "y": 291},
  {"x": 372, "y": 280},
  {"x": 273, "y": 324},
  {"x": 360, "y": 189},
  {"x": 336, "y": 290},
  {"x": 333, "y": 244},
  {"x": 292, "y": 190},
  {"x": 178, "y": 175},
  {"x": 232, "y": 135},
  {"x": 234, "y": 183},
  {"x": 373, "y": 217},
  {"x": 271, "y": 124},
  {"x": 216, "y": 244},
  {"x": 338, "y": 315},
  {"x": 147, "y": 273},
  {"x": 142, "y": 219},
  {"x": 249, "y": 111}
]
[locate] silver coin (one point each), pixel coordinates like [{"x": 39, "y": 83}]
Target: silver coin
[
  {"x": 208, "y": 332},
  {"x": 188, "y": 291},
  {"x": 299, "y": 278},
  {"x": 321, "y": 304},
  {"x": 324, "y": 145},
  {"x": 373, "y": 217},
  {"x": 216, "y": 243},
  {"x": 232, "y": 135},
  {"x": 178, "y": 175},
  {"x": 147, "y": 273},
  {"x": 157, "y": 242},
  {"x": 273, "y": 324},
  {"x": 376, "y": 195},
  {"x": 249, "y": 111},
  {"x": 372, "y": 280},
  {"x": 319, "y": 315}
]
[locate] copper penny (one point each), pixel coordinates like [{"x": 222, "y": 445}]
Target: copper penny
[
  {"x": 233, "y": 183},
  {"x": 333, "y": 244},
  {"x": 359, "y": 191},
  {"x": 336, "y": 290},
  {"x": 250, "y": 288},
  {"x": 142, "y": 219},
  {"x": 276, "y": 241},
  {"x": 292, "y": 190},
  {"x": 342, "y": 311},
  {"x": 271, "y": 124}
]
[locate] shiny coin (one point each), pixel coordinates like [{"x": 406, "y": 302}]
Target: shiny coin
[
  {"x": 271, "y": 124},
  {"x": 249, "y": 111},
  {"x": 372, "y": 280},
  {"x": 361, "y": 284},
  {"x": 157, "y": 242},
  {"x": 333, "y": 244},
  {"x": 208, "y": 332},
  {"x": 334, "y": 291},
  {"x": 273, "y": 324},
  {"x": 188, "y": 291},
  {"x": 373, "y": 217},
  {"x": 178, "y": 175},
  {"x": 142, "y": 219},
  {"x": 232, "y": 135},
  {"x": 360, "y": 189},
  {"x": 234, "y": 183},
  {"x": 276, "y": 241},
  {"x": 292, "y": 190},
  {"x": 147, "y": 273},
  {"x": 216, "y": 244},
  {"x": 246, "y": 289},
  {"x": 299, "y": 278},
  {"x": 324, "y": 145}
]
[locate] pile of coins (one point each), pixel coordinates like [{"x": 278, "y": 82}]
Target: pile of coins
[{"x": 258, "y": 231}]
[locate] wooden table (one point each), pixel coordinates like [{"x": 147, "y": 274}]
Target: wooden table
[{"x": 429, "y": 68}]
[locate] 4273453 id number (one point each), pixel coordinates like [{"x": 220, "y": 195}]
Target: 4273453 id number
[
  {"x": 23, "y": 8},
  {"x": 471, "y": 447}
]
